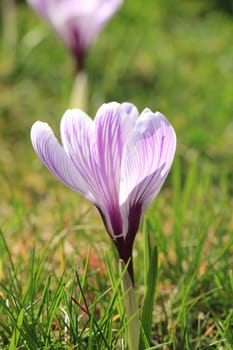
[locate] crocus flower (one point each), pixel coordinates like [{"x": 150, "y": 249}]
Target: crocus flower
[
  {"x": 77, "y": 22},
  {"x": 119, "y": 162}
]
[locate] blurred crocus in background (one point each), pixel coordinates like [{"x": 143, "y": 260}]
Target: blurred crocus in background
[
  {"x": 77, "y": 23},
  {"x": 119, "y": 162}
]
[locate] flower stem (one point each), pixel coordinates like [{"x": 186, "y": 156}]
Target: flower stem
[
  {"x": 131, "y": 309},
  {"x": 125, "y": 254},
  {"x": 129, "y": 262},
  {"x": 79, "y": 93}
]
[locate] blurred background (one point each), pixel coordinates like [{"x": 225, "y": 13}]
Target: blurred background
[
  {"x": 171, "y": 56},
  {"x": 175, "y": 57}
]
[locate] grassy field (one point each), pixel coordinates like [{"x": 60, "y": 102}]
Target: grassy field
[{"x": 175, "y": 58}]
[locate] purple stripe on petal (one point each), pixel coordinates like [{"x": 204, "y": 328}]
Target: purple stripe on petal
[
  {"x": 55, "y": 159},
  {"x": 131, "y": 110}
]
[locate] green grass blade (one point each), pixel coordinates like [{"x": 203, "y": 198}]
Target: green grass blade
[
  {"x": 16, "y": 332},
  {"x": 146, "y": 319},
  {"x": 147, "y": 250}
]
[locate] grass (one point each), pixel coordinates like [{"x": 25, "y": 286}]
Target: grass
[{"x": 56, "y": 261}]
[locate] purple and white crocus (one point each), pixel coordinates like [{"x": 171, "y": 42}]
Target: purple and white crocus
[
  {"x": 119, "y": 162},
  {"x": 77, "y": 22}
]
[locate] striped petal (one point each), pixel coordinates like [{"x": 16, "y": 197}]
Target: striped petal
[
  {"x": 55, "y": 159},
  {"x": 77, "y": 134},
  {"x": 146, "y": 161},
  {"x": 112, "y": 128}
]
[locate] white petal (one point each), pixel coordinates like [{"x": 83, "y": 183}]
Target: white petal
[
  {"x": 55, "y": 159},
  {"x": 146, "y": 161}
]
